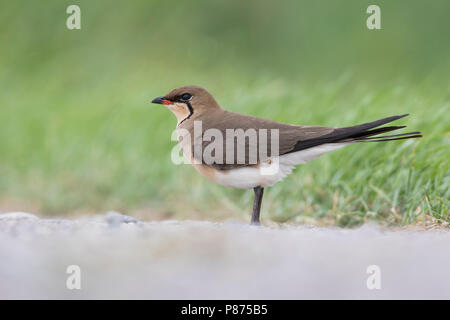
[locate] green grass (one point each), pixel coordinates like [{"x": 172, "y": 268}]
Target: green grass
[{"x": 78, "y": 133}]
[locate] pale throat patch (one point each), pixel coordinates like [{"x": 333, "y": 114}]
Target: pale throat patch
[{"x": 180, "y": 110}]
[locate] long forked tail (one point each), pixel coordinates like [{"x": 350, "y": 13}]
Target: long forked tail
[
  {"x": 360, "y": 133},
  {"x": 363, "y": 132}
]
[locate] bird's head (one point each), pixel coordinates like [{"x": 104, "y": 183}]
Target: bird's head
[{"x": 188, "y": 101}]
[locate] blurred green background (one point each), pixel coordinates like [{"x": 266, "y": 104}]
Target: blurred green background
[{"x": 78, "y": 134}]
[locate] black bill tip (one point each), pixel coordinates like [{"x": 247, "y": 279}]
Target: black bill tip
[
  {"x": 158, "y": 100},
  {"x": 162, "y": 100}
]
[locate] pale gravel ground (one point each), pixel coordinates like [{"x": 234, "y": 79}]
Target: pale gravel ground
[{"x": 123, "y": 258}]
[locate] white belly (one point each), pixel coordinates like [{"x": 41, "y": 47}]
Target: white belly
[
  {"x": 251, "y": 177},
  {"x": 268, "y": 174}
]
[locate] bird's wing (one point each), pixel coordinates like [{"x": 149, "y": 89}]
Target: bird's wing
[
  {"x": 291, "y": 138},
  {"x": 258, "y": 135}
]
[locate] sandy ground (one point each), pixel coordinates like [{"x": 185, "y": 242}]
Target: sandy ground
[{"x": 120, "y": 257}]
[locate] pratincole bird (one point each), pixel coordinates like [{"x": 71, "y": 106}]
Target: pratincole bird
[{"x": 247, "y": 152}]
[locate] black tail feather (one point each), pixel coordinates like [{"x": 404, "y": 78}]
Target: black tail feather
[
  {"x": 390, "y": 136},
  {"x": 390, "y": 139},
  {"x": 370, "y": 125},
  {"x": 359, "y": 133},
  {"x": 377, "y": 131}
]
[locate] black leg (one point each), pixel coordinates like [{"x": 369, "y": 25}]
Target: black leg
[{"x": 259, "y": 191}]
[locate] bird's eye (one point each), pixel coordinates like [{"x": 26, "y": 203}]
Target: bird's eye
[{"x": 186, "y": 96}]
